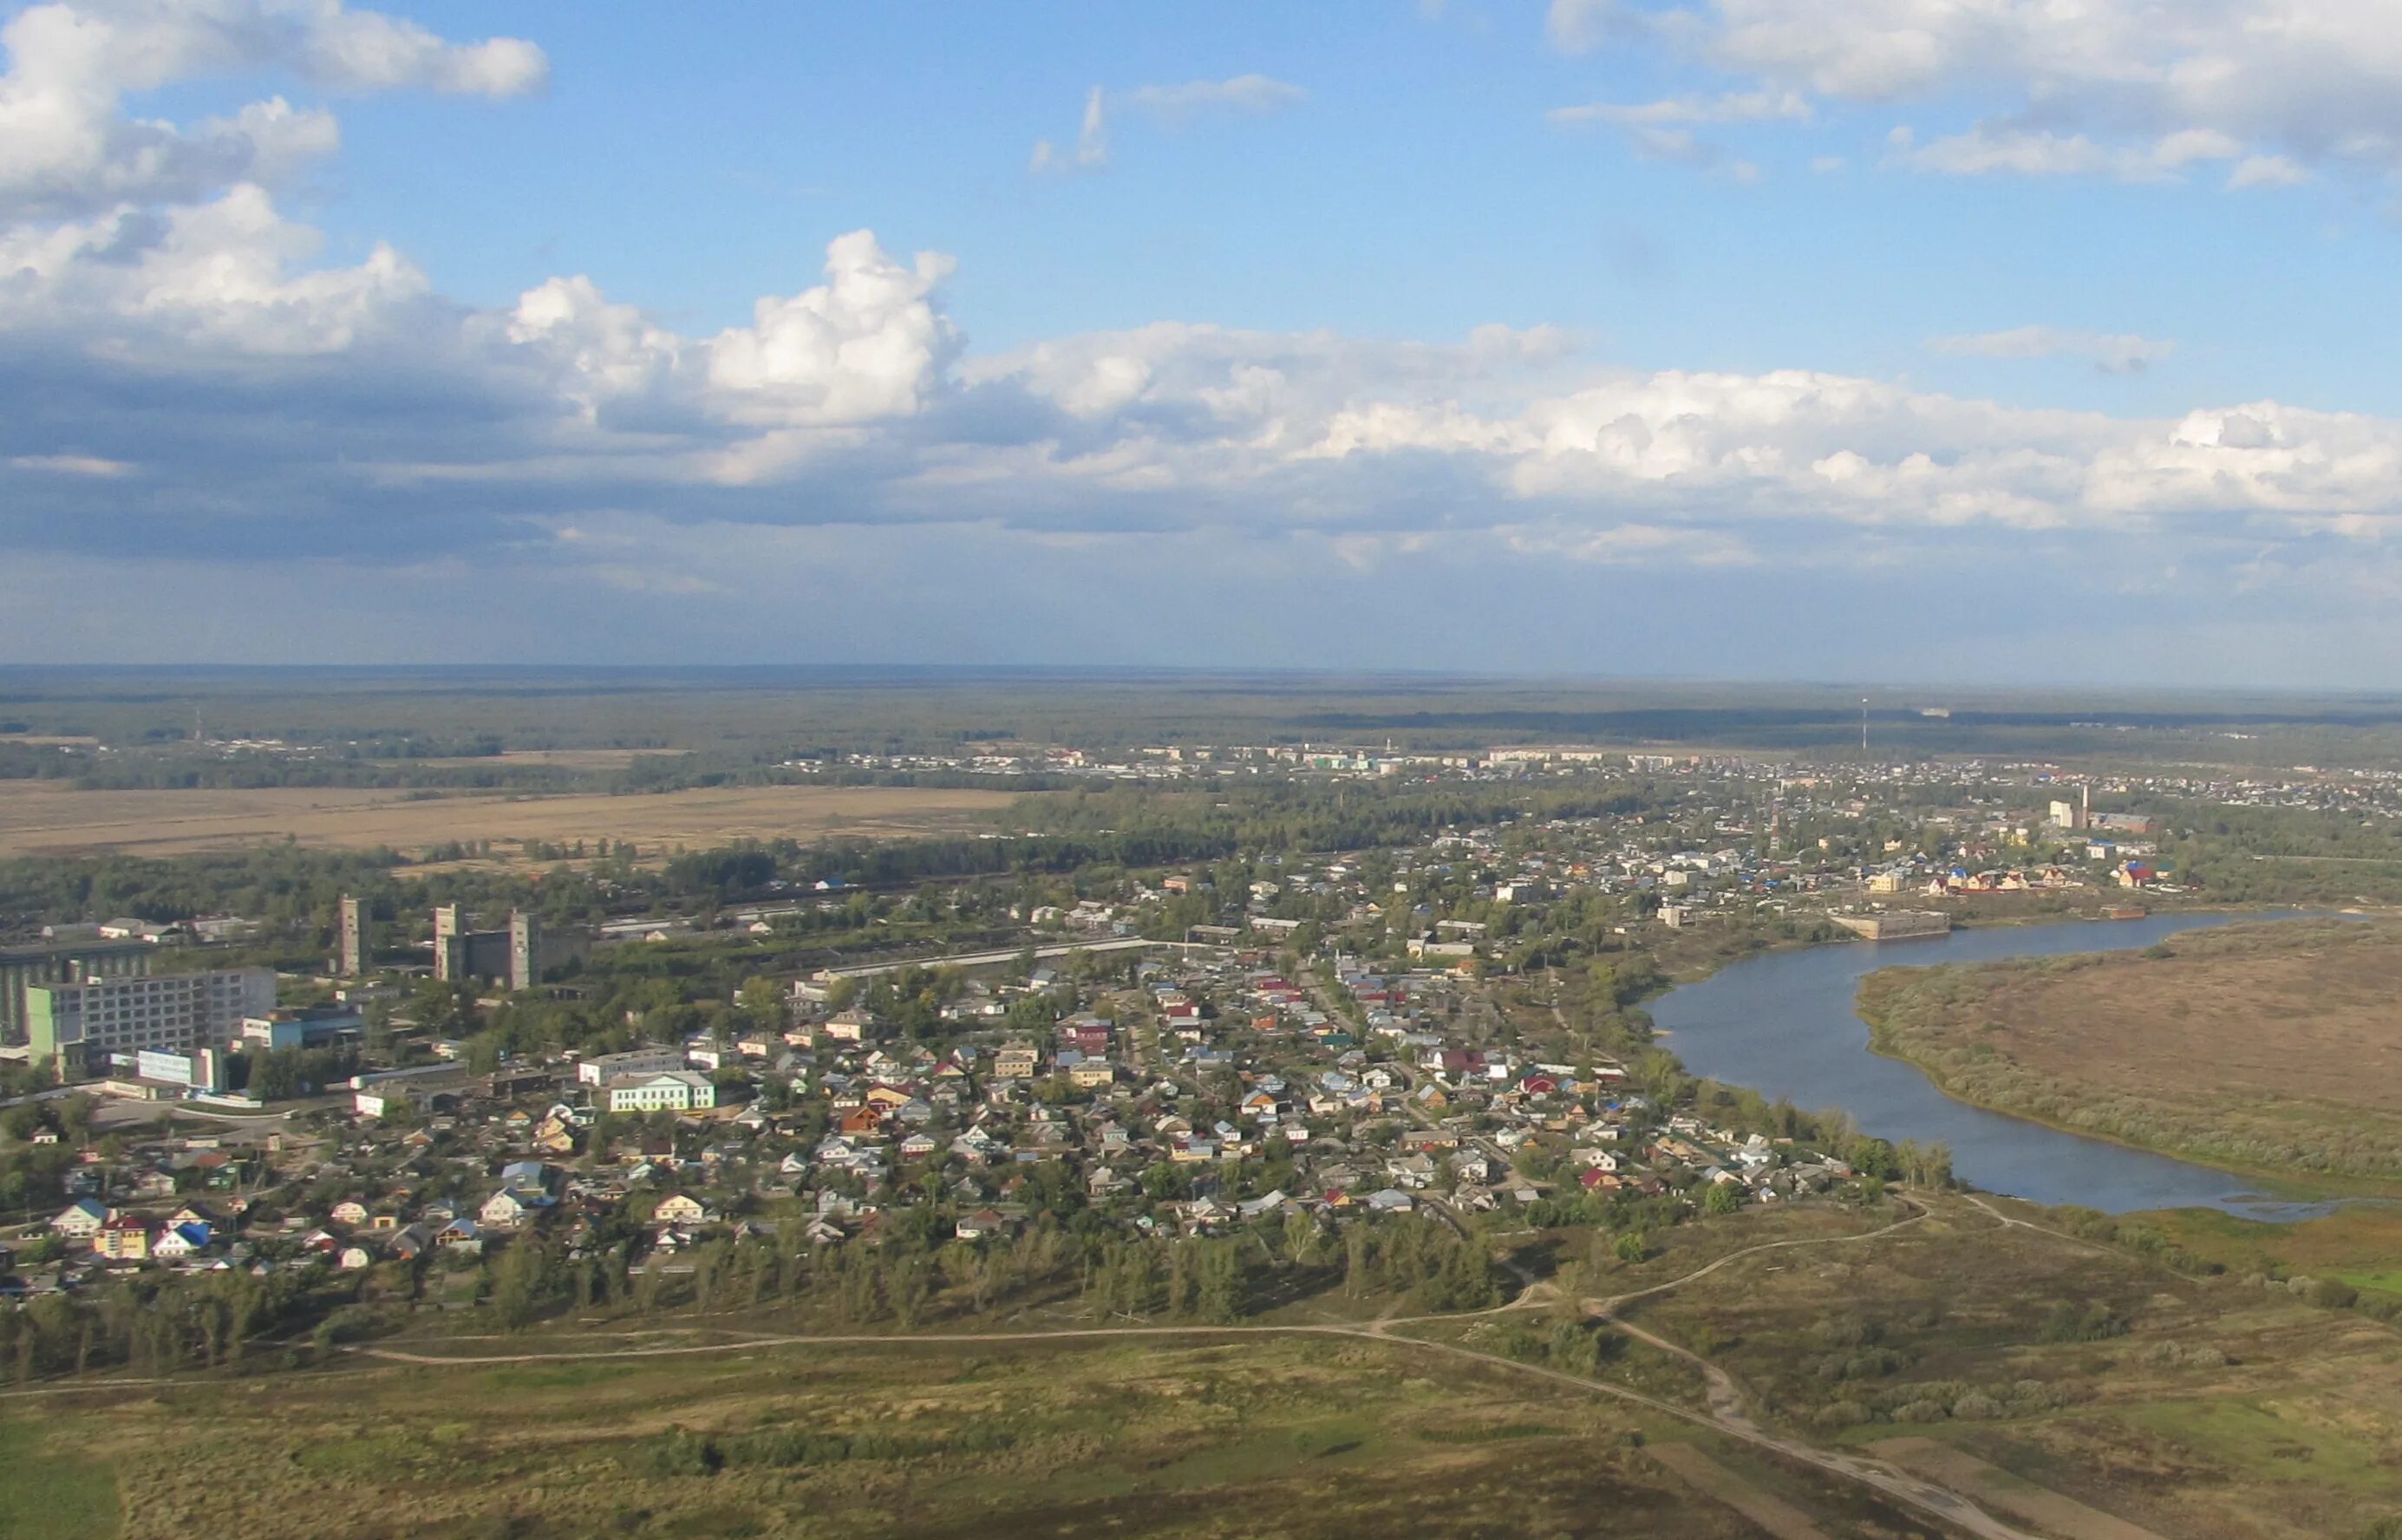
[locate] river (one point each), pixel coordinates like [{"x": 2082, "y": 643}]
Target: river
[{"x": 1784, "y": 1023}]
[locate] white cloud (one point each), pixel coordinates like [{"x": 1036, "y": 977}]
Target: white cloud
[
  {"x": 1989, "y": 148},
  {"x": 2118, "y": 353},
  {"x": 67, "y": 145},
  {"x": 2265, "y": 171},
  {"x": 2129, "y": 88},
  {"x": 1169, "y": 106},
  {"x": 867, "y": 343},
  {"x": 1735, "y": 107},
  {"x": 1091, "y": 150},
  {"x": 182, "y": 372},
  {"x": 1577, "y": 26},
  {"x": 71, "y": 465},
  {"x": 1248, "y": 93}
]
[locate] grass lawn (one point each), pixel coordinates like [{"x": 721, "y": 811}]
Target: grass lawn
[{"x": 47, "y": 1493}]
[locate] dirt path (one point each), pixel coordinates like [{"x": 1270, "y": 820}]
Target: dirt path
[
  {"x": 2013, "y": 1495},
  {"x": 1714, "y": 1481}
]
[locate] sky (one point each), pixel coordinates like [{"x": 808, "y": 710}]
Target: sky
[{"x": 1995, "y": 341}]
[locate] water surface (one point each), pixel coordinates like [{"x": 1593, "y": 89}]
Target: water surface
[{"x": 1785, "y": 1024}]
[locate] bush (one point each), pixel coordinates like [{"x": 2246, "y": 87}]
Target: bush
[
  {"x": 2331, "y": 1293},
  {"x": 1921, "y": 1411},
  {"x": 2182, "y": 1356},
  {"x": 1977, "y": 1407},
  {"x": 2065, "y": 1323},
  {"x": 1841, "y": 1414}
]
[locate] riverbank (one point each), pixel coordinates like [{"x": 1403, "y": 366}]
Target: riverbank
[
  {"x": 1783, "y": 1022},
  {"x": 2258, "y": 1048}
]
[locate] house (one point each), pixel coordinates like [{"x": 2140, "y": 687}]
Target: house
[
  {"x": 682, "y": 1208},
  {"x": 506, "y": 1210},
  {"x": 354, "y": 1259},
  {"x": 124, "y": 1239},
  {"x": 983, "y": 1222},
  {"x": 1093, "y": 1074},
  {"x": 1016, "y": 1062},
  {"x": 178, "y": 1242},
  {"x": 82, "y": 1219},
  {"x": 350, "y": 1212}
]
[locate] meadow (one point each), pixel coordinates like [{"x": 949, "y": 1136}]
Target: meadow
[
  {"x": 40, "y": 817},
  {"x": 1265, "y": 1437},
  {"x": 2269, "y": 1048}
]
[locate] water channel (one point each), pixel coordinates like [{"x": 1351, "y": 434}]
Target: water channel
[{"x": 1784, "y": 1023}]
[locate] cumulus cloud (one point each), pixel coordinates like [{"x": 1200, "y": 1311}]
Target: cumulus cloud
[
  {"x": 183, "y": 373},
  {"x": 2118, "y": 354},
  {"x": 68, "y": 146}
]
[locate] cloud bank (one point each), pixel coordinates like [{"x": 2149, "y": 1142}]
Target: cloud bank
[{"x": 232, "y": 438}]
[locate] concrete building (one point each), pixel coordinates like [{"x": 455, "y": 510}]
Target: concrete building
[
  {"x": 82, "y": 1027},
  {"x": 601, "y": 1068},
  {"x": 62, "y": 962},
  {"x": 282, "y": 1029},
  {"x": 675, "y": 1090},
  {"x": 351, "y": 936},
  {"x": 515, "y": 958}
]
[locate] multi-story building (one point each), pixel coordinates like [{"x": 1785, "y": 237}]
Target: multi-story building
[
  {"x": 675, "y": 1090},
  {"x": 78, "y": 1027},
  {"x": 64, "y": 962}
]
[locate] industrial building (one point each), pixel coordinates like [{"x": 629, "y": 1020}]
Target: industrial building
[
  {"x": 81, "y": 1028},
  {"x": 515, "y": 958},
  {"x": 22, "y": 968}
]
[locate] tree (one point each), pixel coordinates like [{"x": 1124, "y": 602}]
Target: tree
[
  {"x": 520, "y": 1284},
  {"x": 1721, "y": 1199},
  {"x": 761, "y": 1002}
]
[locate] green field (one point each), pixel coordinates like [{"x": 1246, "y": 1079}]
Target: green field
[{"x": 49, "y": 1489}]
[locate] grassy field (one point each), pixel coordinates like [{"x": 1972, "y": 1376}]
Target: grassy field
[
  {"x": 1266, "y": 1437},
  {"x": 2200, "y": 1408},
  {"x": 49, "y": 1488},
  {"x": 2273, "y": 1048},
  {"x": 50, "y": 817}
]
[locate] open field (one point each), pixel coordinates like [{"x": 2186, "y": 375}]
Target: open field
[
  {"x": 1267, "y": 1436},
  {"x": 49, "y": 817},
  {"x": 2208, "y": 1408},
  {"x": 2275, "y": 1048}
]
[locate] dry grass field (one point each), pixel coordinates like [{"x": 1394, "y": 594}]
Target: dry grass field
[
  {"x": 2066, "y": 1383},
  {"x": 47, "y": 818},
  {"x": 1299, "y": 1440},
  {"x": 2273, "y": 1047}
]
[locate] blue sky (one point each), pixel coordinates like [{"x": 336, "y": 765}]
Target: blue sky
[{"x": 1735, "y": 337}]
